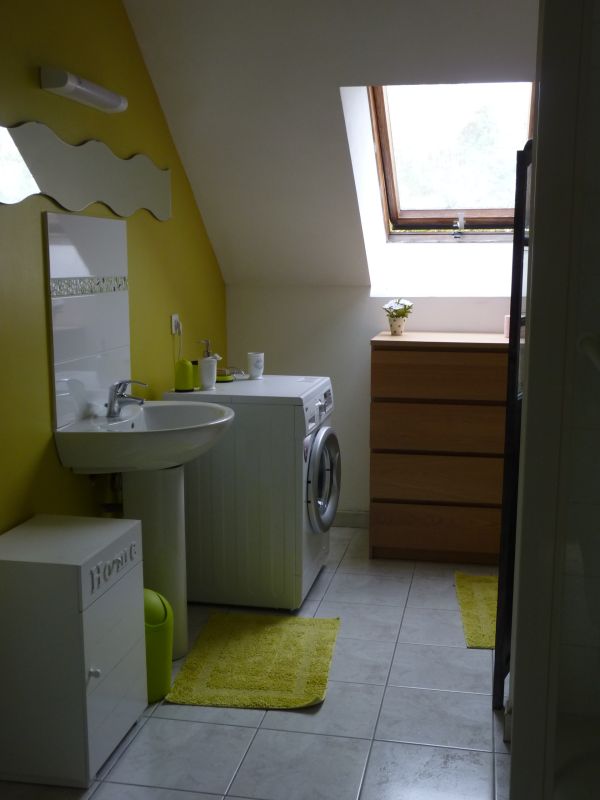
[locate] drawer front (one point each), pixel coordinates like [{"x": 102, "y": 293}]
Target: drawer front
[
  {"x": 111, "y": 625},
  {"x": 438, "y": 479},
  {"x": 419, "y": 530},
  {"x": 437, "y": 427},
  {"x": 115, "y": 705},
  {"x": 439, "y": 375}
]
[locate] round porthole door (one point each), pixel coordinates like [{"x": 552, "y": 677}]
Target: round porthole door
[{"x": 324, "y": 476}]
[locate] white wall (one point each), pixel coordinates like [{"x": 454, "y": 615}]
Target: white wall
[
  {"x": 251, "y": 91},
  {"x": 326, "y": 331}
]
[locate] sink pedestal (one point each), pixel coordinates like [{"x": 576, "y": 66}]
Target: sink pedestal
[
  {"x": 148, "y": 444},
  {"x": 156, "y": 498}
]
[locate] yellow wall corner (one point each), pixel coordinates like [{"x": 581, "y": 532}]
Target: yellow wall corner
[{"x": 172, "y": 267}]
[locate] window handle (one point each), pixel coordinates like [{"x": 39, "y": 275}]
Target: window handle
[{"x": 459, "y": 225}]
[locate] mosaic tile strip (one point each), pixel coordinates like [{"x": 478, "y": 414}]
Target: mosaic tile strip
[{"x": 75, "y": 287}]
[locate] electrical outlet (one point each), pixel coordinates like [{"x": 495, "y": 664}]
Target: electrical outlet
[{"x": 175, "y": 324}]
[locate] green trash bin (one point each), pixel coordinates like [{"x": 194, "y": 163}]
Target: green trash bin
[{"x": 158, "y": 616}]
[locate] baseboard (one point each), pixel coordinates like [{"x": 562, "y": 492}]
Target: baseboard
[{"x": 351, "y": 519}]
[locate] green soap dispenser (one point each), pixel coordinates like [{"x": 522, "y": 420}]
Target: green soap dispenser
[{"x": 184, "y": 376}]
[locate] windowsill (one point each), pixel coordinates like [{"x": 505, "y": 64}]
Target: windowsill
[
  {"x": 398, "y": 237},
  {"x": 415, "y": 269}
]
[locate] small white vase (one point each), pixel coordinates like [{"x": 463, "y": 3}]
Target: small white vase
[{"x": 397, "y": 325}]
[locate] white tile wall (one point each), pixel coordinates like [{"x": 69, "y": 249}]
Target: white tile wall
[
  {"x": 81, "y": 385},
  {"x": 86, "y": 325}
]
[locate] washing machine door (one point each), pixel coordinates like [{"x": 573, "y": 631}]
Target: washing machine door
[{"x": 324, "y": 476}]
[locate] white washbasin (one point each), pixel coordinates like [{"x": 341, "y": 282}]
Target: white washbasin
[{"x": 156, "y": 435}]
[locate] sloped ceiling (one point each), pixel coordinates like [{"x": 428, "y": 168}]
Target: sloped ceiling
[{"x": 250, "y": 89}]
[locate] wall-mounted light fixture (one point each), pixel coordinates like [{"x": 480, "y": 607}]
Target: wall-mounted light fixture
[{"x": 72, "y": 86}]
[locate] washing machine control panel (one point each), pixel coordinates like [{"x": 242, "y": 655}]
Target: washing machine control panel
[{"x": 317, "y": 408}]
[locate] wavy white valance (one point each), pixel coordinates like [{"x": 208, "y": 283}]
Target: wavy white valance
[{"x": 34, "y": 160}]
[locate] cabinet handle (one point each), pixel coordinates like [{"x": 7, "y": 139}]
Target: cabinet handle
[{"x": 94, "y": 672}]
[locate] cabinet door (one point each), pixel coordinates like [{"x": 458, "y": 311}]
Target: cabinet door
[
  {"x": 112, "y": 624},
  {"x": 115, "y": 705},
  {"x": 439, "y": 375},
  {"x": 114, "y": 642}
]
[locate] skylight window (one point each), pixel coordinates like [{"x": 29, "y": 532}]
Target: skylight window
[{"x": 447, "y": 155}]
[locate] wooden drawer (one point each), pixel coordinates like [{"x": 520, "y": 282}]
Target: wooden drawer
[
  {"x": 438, "y": 479},
  {"x": 439, "y": 375},
  {"x": 437, "y": 427},
  {"x": 452, "y": 533}
]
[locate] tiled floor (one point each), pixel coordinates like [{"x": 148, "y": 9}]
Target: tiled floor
[{"x": 407, "y": 715}]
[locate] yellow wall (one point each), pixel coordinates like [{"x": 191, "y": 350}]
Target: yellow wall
[{"x": 171, "y": 264}]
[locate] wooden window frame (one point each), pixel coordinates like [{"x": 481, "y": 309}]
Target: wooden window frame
[{"x": 428, "y": 222}]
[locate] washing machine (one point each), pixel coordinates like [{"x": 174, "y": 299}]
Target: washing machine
[{"x": 260, "y": 503}]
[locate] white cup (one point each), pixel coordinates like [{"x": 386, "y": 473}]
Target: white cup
[
  {"x": 256, "y": 365},
  {"x": 208, "y": 373}
]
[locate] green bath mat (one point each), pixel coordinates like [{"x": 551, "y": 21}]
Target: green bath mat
[
  {"x": 244, "y": 660},
  {"x": 477, "y": 598}
]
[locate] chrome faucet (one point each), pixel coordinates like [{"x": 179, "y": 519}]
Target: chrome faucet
[{"x": 118, "y": 398}]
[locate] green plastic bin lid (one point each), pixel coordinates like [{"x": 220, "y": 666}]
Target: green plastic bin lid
[{"x": 155, "y": 610}]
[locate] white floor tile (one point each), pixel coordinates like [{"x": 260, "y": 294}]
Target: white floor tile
[
  {"x": 371, "y": 589},
  {"x": 363, "y": 621},
  {"x": 359, "y": 544},
  {"x": 123, "y": 745},
  {"x": 431, "y": 705},
  {"x": 503, "y": 777},
  {"x": 349, "y": 709},
  {"x": 414, "y": 772},
  {"x": 319, "y": 587},
  {"x": 173, "y": 754},
  {"x": 245, "y": 717},
  {"x": 376, "y": 566},
  {"x": 445, "y": 719},
  {"x": 120, "y": 791},
  {"x": 336, "y": 553},
  {"x": 342, "y": 534},
  {"x": 34, "y": 791},
  {"x": 449, "y": 569},
  {"x": 301, "y": 766},
  {"x": 500, "y": 746},
  {"x": 432, "y": 626},
  {"x": 429, "y": 666},
  {"x": 355, "y": 662},
  {"x": 433, "y": 591}
]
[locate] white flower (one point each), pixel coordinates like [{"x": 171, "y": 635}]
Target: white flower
[{"x": 400, "y": 307}]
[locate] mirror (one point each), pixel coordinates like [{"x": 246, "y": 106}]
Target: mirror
[
  {"x": 89, "y": 299},
  {"x": 33, "y": 160}
]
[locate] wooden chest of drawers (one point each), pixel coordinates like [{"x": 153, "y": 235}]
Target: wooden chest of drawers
[{"x": 437, "y": 445}]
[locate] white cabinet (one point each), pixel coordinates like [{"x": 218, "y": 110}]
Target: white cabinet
[{"x": 72, "y": 649}]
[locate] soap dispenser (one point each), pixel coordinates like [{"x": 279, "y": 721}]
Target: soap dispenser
[
  {"x": 208, "y": 367},
  {"x": 184, "y": 376}
]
